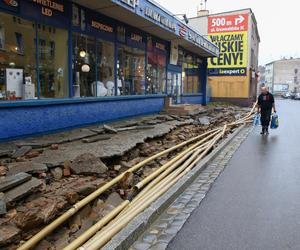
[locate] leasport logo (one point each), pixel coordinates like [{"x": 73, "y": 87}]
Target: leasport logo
[
  {"x": 230, "y": 23},
  {"x": 12, "y": 3}
]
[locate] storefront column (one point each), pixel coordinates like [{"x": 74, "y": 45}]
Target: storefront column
[
  {"x": 70, "y": 62},
  {"x": 203, "y": 80}
]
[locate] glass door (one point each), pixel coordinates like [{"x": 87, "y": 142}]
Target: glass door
[{"x": 175, "y": 86}]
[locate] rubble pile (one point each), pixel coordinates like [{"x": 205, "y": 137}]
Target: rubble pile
[{"x": 33, "y": 192}]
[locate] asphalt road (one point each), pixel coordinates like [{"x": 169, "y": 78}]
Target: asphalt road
[{"x": 255, "y": 203}]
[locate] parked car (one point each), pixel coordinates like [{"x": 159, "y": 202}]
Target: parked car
[
  {"x": 297, "y": 96},
  {"x": 286, "y": 95}
]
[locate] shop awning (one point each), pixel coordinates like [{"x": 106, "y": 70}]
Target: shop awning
[{"x": 152, "y": 18}]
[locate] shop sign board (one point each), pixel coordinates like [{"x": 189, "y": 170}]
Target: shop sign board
[
  {"x": 230, "y": 34},
  {"x": 131, "y": 3},
  {"x": 12, "y": 5},
  {"x": 53, "y": 12},
  {"x": 163, "y": 20}
]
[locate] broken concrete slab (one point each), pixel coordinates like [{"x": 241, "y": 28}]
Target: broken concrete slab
[
  {"x": 21, "y": 151},
  {"x": 114, "y": 147},
  {"x": 96, "y": 138},
  {"x": 4, "y": 153},
  {"x": 9, "y": 182},
  {"x": 110, "y": 129},
  {"x": 22, "y": 190},
  {"x": 98, "y": 130},
  {"x": 135, "y": 128},
  {"x": 27, "y": 167},
  {"x": 83, "y": 133},
  {"x": 88, "y": 164},
  {"x": 2, "y": 204},
  {"x": 204, "y": 120}
]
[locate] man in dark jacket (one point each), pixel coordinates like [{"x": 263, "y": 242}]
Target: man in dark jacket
[{"x": 265, "y": 105}]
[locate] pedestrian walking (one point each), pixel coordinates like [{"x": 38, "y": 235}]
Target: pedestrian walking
[{"x": 265, "y": 105}]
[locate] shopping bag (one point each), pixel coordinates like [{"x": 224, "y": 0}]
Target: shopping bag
[
  {"x": 256, "y": 121},
  {"x": 274, "y": 121}
]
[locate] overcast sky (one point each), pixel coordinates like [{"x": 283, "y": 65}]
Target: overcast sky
[{"x": 278, "y": 22}]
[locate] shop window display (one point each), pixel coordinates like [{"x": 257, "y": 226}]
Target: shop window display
[
  {"x": 84, "y": 65},
  {"x": 53, "y": 62},
  {"x": 105, "y": 68},
  {"x": 17, "y": 58},
  {"x": 131, "y": 71},
  {"x": 93, "y": 67},
  {"x": 156, "y": 69}
]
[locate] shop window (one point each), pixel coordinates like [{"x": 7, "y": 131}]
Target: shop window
[
  {"x": 131, "y": 71},
  {"x": 84, "y": 65},
  {"x": 190, "y": 74},
  {"x": 53, "y": 62},
  {"x": 93, "y": 67},
  {"x": 17, "y": 58},
  {"x": 156, "y": 70},
  {"x": 105, "y": 69}
]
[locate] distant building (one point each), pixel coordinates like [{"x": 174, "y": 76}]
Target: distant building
[
  {"x": 233, "y": 76},
  {"x": 283, "y": 75}
]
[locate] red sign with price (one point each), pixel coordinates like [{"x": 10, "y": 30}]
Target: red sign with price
[{"x": 230, "y": 23}]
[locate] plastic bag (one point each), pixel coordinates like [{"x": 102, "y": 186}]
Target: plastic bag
[
  {"x": 274, "y": 121},
  {"x": 256, "y": 120}
]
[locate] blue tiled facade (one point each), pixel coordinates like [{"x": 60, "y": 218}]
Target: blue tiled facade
[{"x": 32, "y": 117}]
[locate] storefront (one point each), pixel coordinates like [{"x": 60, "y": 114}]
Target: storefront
[{"x": 64, "y": 65}]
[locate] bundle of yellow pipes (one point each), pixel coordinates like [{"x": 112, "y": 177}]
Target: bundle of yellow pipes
[{"x": 155, "y": 185}]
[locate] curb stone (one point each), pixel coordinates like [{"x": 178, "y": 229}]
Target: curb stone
[{"x": 128, "y": 236}]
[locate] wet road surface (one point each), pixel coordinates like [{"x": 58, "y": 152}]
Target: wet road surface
[{"x": 255, "y": 203}]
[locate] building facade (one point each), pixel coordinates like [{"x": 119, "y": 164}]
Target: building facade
[
  {"x": 284, "y": 76},
  {"x": 233, "y": 75},
  {"x": 67, "y": 64}
]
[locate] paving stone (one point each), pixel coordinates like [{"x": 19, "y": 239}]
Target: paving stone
[
  {"x": 150, "y": 238},
  {"x": 22, "y": 190},
  {"x": 21, "y": 151},
  {"x": 165, "y": 237},
  {"x": 159, "y": 246},
  {"x": 9, "y": 182},
  {"x": 27, "y": 167},
  {"x": 141, "y": 246}
]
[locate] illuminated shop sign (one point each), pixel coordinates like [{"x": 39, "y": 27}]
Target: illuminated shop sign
[
  {"x": 12, "y": 3},
  {"x": 136, "y": 38},
  {"x": 48, "y": 6},
  {"x": 130, "y": 3},
  {"x": 102, "y": 27},
  {"x": 160, "y": 18}
]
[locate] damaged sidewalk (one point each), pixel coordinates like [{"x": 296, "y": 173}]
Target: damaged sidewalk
[{"x": 43, "y": 176}]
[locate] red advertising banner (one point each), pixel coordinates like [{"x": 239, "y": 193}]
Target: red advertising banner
[{"x": 230, "y": 23}]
